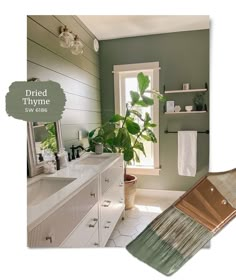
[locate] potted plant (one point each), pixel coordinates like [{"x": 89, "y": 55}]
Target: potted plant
[
  {"x": 198, "y": 101},
  {"x": 125, "y": 134}
]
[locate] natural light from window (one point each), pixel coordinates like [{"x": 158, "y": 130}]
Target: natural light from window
[
  {"x": 130, "y": 83},
  {"x": 125, "y": 80}
]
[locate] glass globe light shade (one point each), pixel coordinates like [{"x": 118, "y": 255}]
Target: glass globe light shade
[
  {"x": 66, "y": 39},
  {"x": 77, "y": 47}
]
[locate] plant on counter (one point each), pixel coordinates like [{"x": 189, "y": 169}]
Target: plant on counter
[{"x": 125, "y": 134}]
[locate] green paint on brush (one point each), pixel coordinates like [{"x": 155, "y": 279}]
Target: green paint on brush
[{"x": 169, "y": 241}]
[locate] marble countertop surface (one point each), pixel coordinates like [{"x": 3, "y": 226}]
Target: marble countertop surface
[{"x": 77, "y": 170}]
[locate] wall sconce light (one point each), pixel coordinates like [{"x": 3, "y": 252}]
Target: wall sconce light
[
  {"x": 66, "y": 38},
  {"x": 70, "y": 41},
  {"x": 77, "y": 47}
]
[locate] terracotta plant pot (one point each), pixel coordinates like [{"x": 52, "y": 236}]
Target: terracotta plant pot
[{"x": 130, "y": 191}]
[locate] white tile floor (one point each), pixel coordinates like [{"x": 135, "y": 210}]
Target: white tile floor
[{"x": 148, "y": 204}]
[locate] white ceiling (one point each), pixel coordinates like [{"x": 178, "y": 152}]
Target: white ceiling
[{"x": 112, "y": 27}]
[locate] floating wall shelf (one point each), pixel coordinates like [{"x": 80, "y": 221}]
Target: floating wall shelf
[
  {"x": 185, "y": 112},
  {"x": 186, "y": 91}
]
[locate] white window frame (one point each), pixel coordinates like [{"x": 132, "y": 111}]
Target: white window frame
[{"x": 154, "y": 68}]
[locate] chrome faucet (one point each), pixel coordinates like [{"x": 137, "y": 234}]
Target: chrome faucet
[{"x": 77, "y": 148}]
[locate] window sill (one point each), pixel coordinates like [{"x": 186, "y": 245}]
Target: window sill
[{"x": 143, "y": 170}]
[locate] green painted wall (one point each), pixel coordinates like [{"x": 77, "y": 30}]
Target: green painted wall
[{"x": 183, "y": 57}]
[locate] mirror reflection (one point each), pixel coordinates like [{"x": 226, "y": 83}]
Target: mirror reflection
[
  {"x": 45, "y": 137},
  {"x": 44, "y": 144}
]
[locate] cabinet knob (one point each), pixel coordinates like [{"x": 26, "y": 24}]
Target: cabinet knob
[
  {"x": 106, "y": 203},
  {"x": 107, "y": 180},
  {"x": 49, "y": 238},
  {"x": 93, "y": 194},
  {"x": 107, "y": 224},
  {"x": 96, "y": 244},
  {"x": 94, "y": 222}
]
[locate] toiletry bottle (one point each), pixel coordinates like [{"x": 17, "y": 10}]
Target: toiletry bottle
[
  {"x": 57, "y": 161},
  {"x": 40, "y": 157},
  {"x": 63, "y": 156}
]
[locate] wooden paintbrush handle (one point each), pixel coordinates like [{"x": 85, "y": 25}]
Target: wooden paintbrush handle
[{"x": 205, "y": 204}]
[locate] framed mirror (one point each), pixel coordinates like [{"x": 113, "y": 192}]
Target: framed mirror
[{"x": 43, "y": 138}]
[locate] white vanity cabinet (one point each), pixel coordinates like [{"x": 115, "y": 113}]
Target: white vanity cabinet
[
  {"x": 89, "y": 216},
  {"x": 53, "y": 230}
]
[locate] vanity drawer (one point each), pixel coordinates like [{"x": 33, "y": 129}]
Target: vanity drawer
[
  {"x": 94, "y": 241},
  {"x": 112, "y": 175},
  {"x": 109, "y": 221},
  {"x": 112, "y": 206},
  {"x": 55, "y": 228},
  {"x": 85, "y": 233},
  {"x": 112, "y": 196}
]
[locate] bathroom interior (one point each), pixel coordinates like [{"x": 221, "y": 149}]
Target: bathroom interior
[{"x": 77, "y": 198}]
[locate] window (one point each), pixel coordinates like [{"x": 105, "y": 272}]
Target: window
[{"x": 125, "y": 79}]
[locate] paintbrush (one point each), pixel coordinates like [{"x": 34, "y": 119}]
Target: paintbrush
[{"x": 178, "y": 233}]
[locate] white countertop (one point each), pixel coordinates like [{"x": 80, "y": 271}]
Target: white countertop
[{"x": 82, "y": 174}]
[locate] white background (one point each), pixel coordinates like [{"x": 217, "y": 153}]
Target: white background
[{"x": 20, "y": 262}]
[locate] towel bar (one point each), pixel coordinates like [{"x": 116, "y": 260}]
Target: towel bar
[{"x": 207, "y": 131}]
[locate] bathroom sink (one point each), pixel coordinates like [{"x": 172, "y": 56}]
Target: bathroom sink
[{"x": 45, "y": 187}]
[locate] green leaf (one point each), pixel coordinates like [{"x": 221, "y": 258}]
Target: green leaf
[
  {"x": 122, "y": 139},
  {"x": 143, "y": 82},
  {"x": 150, "y": 125},
  {"x": 108, "y": 130},
  {"x": 132, "y": 126},
  {"x": 128, "y": 154},
  {"x": 141, "y": 103},
  {"x": 116, "y": 118},
  {"x": 134, "y": 96},
  {"x": 139, "y": 146},
  {"x": 147, "y": 117},
  {"x": 137, "y": 159},
  {"x": 146, "y": 137},
  {"x": 136, "y": 113},
  {"x": 151, "y": 135},
  {"x": 110, "y": 141},
  {"x": 100, "y": 132},
  {"x": 147, "y": 100},
  {"x": 91, "y": 133},
  {"x": 147, "y": 121}
]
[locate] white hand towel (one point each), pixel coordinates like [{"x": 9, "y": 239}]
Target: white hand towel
[{"x": 187, "y": 153}]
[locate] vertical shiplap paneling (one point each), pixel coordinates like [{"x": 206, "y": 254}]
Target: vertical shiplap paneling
[{"x": 79, "y": 76}]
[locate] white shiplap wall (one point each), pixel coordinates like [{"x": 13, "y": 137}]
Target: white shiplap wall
[{"x": 77, "y": 75}]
